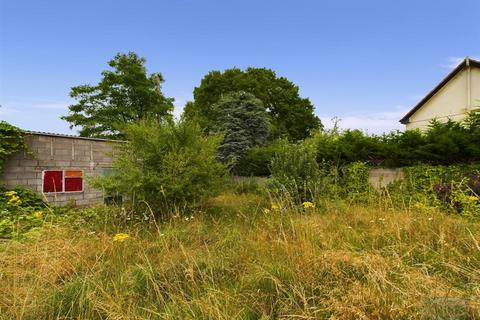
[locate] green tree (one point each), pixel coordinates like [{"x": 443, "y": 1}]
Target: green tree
[
  {"x": 124, "y": 95},
  {"x": 244, "y": 123},
  {"x": 291, "y": 116}
]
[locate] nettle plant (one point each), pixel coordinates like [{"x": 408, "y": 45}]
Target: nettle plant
[{"x": 12, "y": 139}]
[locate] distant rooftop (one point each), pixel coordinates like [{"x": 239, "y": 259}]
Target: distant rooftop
[{"x": 70, "y": 136}]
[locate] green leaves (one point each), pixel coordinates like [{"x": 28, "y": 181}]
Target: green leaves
[
  {"x": 21, "y": 210},
  {"x": 11, "y": 140},
  {"x": 442, "y": 144},
  {"x": 124, "y": 95},
  {"x": 296, "y": 171},
  {"x": 243, "y": 121},
  {"x": 169, "y": 165},
  {"x": 290, "y": 115}
]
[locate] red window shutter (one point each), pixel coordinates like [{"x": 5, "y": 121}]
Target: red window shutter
[
  {"x": 73, "y": 184},
  {"x": 53, "y": 181}
]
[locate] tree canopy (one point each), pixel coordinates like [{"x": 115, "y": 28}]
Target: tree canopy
[
  {"x": 291, "y": 116},
  {"x": 244, "y": 123},
  {"x": 124, "y": 95}
]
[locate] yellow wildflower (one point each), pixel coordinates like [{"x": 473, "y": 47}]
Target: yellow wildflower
[
  {"x": 38, "y": 214},
  {"x": 275, "y": 206},
  {"x": 14, "y": 201},
  {"x": 120, "y": 237},
  {"x": 10, "y": 193},
  {"x": 308, "y": 204},
  {"x": 266, "y": 210}
]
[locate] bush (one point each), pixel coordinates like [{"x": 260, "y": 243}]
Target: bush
[
  {"x": 296, "y": 171},
  {"x": 28, "y": 198},
  {"x": 354, "y": 181},
  {"x": 442, "y": 144},
  {"x": 348, "y": 146},
  {"x": 456, "y": 188},
  {"x": 21, "y": 210},
  {"x": 168, "y": 165},
  {"x": 257, "y": 161}
]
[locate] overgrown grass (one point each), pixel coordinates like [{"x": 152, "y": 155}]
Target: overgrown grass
[{"x": 236, "y": 261}]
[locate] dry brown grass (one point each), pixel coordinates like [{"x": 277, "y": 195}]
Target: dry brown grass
[{"x": 238, "y": 263}]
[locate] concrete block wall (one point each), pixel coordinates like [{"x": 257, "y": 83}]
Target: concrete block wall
[
  {"x": 382, "y": 177},
  {"x": 59, "y": 152}
]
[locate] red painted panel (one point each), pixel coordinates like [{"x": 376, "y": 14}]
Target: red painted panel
[
  {"x": 53, "y": 181},
  {"x": 73, "y": 184}
]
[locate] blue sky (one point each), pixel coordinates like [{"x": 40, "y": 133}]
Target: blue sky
[{"x": 366, "y": 62}]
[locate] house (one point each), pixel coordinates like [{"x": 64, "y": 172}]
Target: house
[
  {"x": 455, "y": 96},
  {"x": 58, "y": 167}
]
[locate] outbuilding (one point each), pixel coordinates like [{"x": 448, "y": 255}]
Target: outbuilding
[
  {"x": 453, "y": 98},
  {"x": 59, "y": 166}
]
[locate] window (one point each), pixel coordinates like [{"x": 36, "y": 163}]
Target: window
[
  {"x": 52, "y": 181},
  {"x": 62, "y": 181},
  {"x": 73, "y": 180}
]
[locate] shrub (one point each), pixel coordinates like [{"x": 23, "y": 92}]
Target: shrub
[
  {"x": 257, "y": 161},
  {"x": 295, "y": 169},
  {"x": 461, "y": 195},
  {"x": 463, "y": 200},
  {"x": 168, "y": 165},
  {"x": 442, "y": 144},
  {"x": 347, "y": 146},
  {"x": 21, "y": 210},
  {"x": 402, "y": 148},
  {"x": 354, "y": 181},
  {"x": 453, "y": 187},
  {"x": 29, "y": 199},
  {"x": 423, "y": 178}
]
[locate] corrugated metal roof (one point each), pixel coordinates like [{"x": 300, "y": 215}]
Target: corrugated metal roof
[{"x": 61, "y": 135}]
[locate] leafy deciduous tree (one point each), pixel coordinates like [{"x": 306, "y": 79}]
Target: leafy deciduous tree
[
  {"x": 291, "y": 116},
  {"x": 124, "y": 95}
]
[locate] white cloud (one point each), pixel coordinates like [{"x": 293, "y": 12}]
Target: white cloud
[
  {"x": 455, "y": 61},
  {"x": 452, "y": 62},
  {"x": 178, "y": 106},
  {"x": 378, "y": 122}
]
